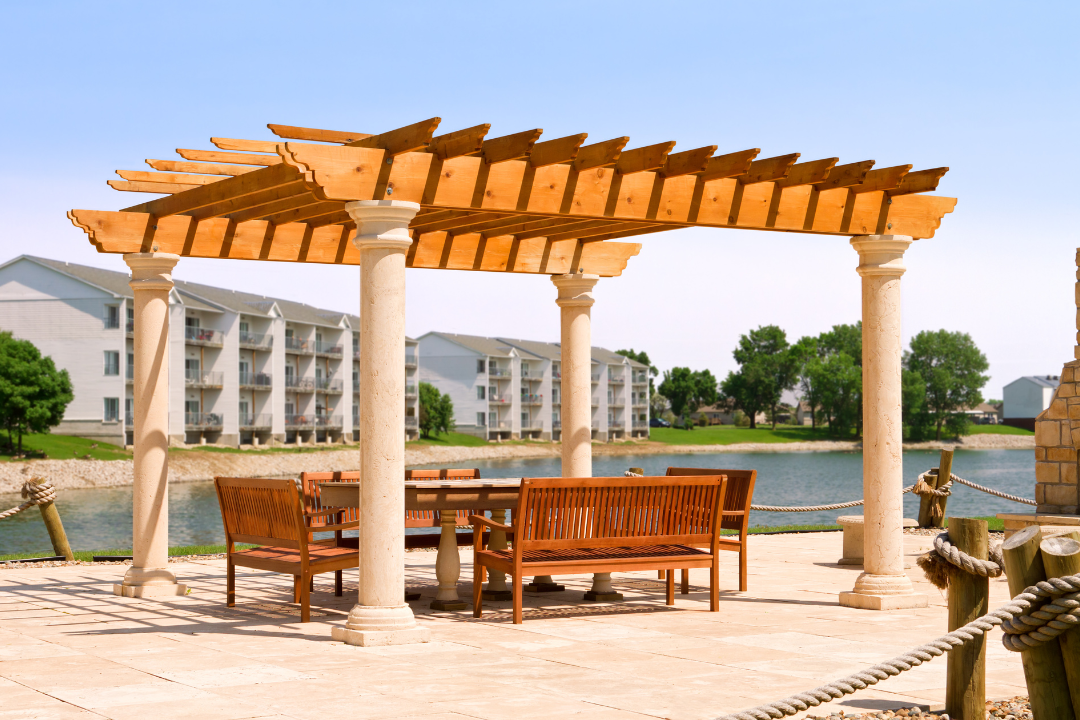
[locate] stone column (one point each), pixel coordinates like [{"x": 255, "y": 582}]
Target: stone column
[
  {"x": 381, "y": 616},
  {"x": 883, "y": 585},
  {"x": 149, "y": 574}
]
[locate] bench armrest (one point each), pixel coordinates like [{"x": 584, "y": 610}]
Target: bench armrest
[
  {"x": 488, "y": 522},
  {"x": 335, "y": 528},
  {"x": 319, "y": 513}
]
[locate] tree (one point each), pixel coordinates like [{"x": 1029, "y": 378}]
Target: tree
[
  {"x": 837, "y": 380},
  {"x": 643, "y": 358},
  {"x": 806, "y": 350},
  {"x": 436, "y": 411},
  {"x": 33, "y": 393},
  {"x": 658, "y": 404},
  {"x": 688, "y": 390},
  {"x": 767, "y": 367},
  {"x": 953, "y": 368}
]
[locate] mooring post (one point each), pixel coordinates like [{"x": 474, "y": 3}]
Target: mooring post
[
  {"x": 969, "y": 598},
  {"x": 931, "y": 507},
  {"x": 1061, "y": 557},
  {"x": 1044, "y": 668},
  {"x": 51, "y": 516}
]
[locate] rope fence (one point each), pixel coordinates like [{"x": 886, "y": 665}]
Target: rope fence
[{"x": 37, "y": 492}]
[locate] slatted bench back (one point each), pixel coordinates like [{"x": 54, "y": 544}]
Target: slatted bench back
[
  {"x": 737, "y": 498},
  {"x": 617, "y": 512},
  {"x": 261, "y": 512},
  {"x": 413, "y": 518},
  {"x": 313, "y": 494}
]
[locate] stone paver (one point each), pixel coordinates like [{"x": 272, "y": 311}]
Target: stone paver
[{"x": 71, "y": 649}]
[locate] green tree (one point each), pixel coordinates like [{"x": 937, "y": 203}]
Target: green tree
[
  {"x": 436, "y": 411},
  {"x": 33, "y": 393},
  {"x": 643, "y": 358},
  {"x": 953, "y": 368},
  {"x": 805, "y": 351},
  {"x": 837, "y": 380},
  {"x": 767, "y": 367},
  {"x": 688, "y": 390},
  {"x": 917, "y": 422}
]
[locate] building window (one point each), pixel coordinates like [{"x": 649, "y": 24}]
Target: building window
[
  {"x": 130, "y": 317},
  {"x": 480, "y": 419},
  {"x": 480, "y": 392},
  {"x": 525, "y": 419},
  {"x": 112, "y": 362},
  {"x": 481, "y": 367},
  {"x": 492, "y": 366},
  {"x": 244, "y": 327},
  {"x": 191, "y": 322},
  {"x": 112, "y": 317},
  {"x": 493, "y": 419},
  {"x": 524, "y": 369},
  {"x": 131, "y": 365},
  {"x": 111, "y": 410},
  {"x": 554, "y": 394}
]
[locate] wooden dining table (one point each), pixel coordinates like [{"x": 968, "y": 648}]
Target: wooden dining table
[{"x": 447, "y": 496}]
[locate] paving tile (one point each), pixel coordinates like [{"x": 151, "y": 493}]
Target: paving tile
[
  {"x": 93, "y": 698},
  {"x": 233, "y": 675}
]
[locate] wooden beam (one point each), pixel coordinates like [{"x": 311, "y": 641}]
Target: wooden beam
[
  {"x": 920, "y": 181},
  {"x": 332, "y": 218},
  {"x": 601, "y": 154},
  {"x": 410, "y": 138},
  {"x": 423, "y": 219},
  {"x": 469, "y": 141},
  {"x": 846, "y": 175},
  {"x": 194, "y": 167},
  {"x": 769, "y": 169},
  {"x": 292, "y": 132},
  {"x": 251, "y": 201},
  {"x": 688, "y": 161},
  {"x": 808, "y": 173},
  {"x": 263, "y": 146},
  {"x": 558, "y": 226},
  {"x": 642, "y": 159},
  {"x": 601, "y": 229},
  {"x": 229, "y": 189},
  {"x": 461, "y": 221},
  {"x": 510, "y": 147},
  {"x": 176, "y": 178},
  {"x": 276, "y": 209},
  {"x": 884, "y": 179},
  {"x": 216, "y": 156},
  {"x": 729, "y": 165},
  {"x": 149, "y": 187},
  {"x": 552, "y": 152},
  {"x": 303, "y": 213}
]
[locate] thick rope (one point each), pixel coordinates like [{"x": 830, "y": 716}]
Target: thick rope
[
  {"x": 38, "y": 493},
  {"x": 1007, "y": 496},
  {"x": 991, "y": 568}
]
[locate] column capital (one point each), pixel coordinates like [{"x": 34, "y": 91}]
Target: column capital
[
  {"x": 382, "y": 223},
  {"x": 575, "y": 289},
  {"x": 881, "y": 254},
  {"x": 152, "y": 270}
]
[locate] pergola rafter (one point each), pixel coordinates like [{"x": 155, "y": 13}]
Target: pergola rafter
[{"x": 511, "y": 203}]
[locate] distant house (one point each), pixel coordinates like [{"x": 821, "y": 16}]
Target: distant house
[
  {"x": 983, "y": 414},
  {"x": 721, "y": 413},
  {"x": 1026, "y": 397}
]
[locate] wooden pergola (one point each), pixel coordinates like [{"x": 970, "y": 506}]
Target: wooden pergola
[{"x": 462, "y": 201}]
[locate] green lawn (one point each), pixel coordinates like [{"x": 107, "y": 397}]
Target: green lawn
[
  {"x": 63, "y": 447},
  {"x": 998, "y": 430},
  {"x": 730, "y": 435}
]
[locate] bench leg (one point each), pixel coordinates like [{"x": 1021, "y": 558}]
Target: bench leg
[
  {"x": 685, "y": 589},
  {"x": 305, "y": 599},
  {"x": 296, "y": 588},
  {"x": 661, "y": 574},
  {"x": 337, "y": 583},
  {"x": 479, "y": 571},
  {"x": 516, "y": 589},
  {"x": 742, "y": 568},
  {"x": 714, "y": 587},
  {"x": 671, "y": 586},
  {"x": 230, "y": 586}
]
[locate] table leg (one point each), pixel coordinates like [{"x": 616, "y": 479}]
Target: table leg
[
  {"x": 447, "y": 564},
  {"x": 496, "y": 587}
]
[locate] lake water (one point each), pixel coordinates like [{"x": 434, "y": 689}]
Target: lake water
[{"x": 99, "y": 519}]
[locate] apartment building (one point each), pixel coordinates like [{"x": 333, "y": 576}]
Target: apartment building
[
  {"x": 243, "y": 368},
  {"x": 504, "y": 388}
]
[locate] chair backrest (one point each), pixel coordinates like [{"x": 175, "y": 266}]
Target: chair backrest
[
  {"x": 313, "y": 495},
  {"x": 737, "y": 499},
  {"x": 262, "y": 512},
  {"x": 617, "y": 511},
  {"x": 430, "y": 518}
]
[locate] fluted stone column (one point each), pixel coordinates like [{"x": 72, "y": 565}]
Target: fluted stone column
[
  {"x": 883, "y": 585},
  {"x": 381, "y": 616},
  {"x": 149, "y": 574}
]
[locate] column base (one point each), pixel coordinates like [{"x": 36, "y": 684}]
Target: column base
[
  {"x": 377, "y": 625},
  {"x": 149, "y": 591},
  {"x": 410, "y": 596},
  {"x": 603, "y": 596},
  {"x": 379, "y": 638},
  {"x": 545, "y": 587},
  {"x": 883, "y": 592},
  {"x": 497, "y": 595},
  {"x": 437, "y": 604}
]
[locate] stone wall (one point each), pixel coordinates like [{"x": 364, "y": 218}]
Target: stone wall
[{"x": 1057, "y": 436}]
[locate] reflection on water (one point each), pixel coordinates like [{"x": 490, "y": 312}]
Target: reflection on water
[{"x": 100, "y": 519}]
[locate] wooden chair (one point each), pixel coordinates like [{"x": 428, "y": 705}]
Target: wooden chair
[
  {"x": 587, "y": 525},
  {"x": 269, "y": 513},
  {"x": 737, "y": 499}
]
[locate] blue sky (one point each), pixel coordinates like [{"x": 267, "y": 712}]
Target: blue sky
[{"x": 988, "y": 89}]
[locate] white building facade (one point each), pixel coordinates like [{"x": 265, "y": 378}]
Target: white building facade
[
  {"x": 243, "y": 368},
  {"x": 1024, "y": 398}
]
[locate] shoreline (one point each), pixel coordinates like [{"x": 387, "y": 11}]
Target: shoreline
[{"x": 201, "y": 467}]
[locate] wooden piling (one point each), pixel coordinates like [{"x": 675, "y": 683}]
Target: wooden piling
[
  {"x": 51, "y": 516},
  {"x": 1061, "y": 557},
  {"x": 1044, "y": 667},
  {"x": 931, "y": 507},
  {"x": 969, "y": 598}
]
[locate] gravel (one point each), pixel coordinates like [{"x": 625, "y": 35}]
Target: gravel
[{"x": 1016, "y": 708}]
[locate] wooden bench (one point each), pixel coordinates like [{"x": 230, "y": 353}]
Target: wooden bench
[
  {"x": 586, "y": 525},
  {"x": 737, "y": 499},
  {"x": 269, "y": 513}
]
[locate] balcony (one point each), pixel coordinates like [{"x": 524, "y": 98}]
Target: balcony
[
  {"x": 640, "y": 424},
  {"x": 499, "y": 399},
  {"x": 256, "y": 341},
  {"x": 255, "y": 381},
  {"x": 615, "y": 403},
  {"x": 556, "y": 424},
  {"x": 129, "y": 419},
  {"x": 410, "y": 359},
  {"x": 596, "y": 402},
  {"x": 410, "y": 392},
  {"x": 532, "y": 426},
  {"x": 262, "y": 421},
  {"x": 615, "y": 379},
  {"x": 495, "y": 427},
  {"x": 412, "y": 422},
  {"x": 299, "y": 384},
  {"x": 325, "y": 348},
  {"x": 532, "y": 399},
  {"x": 202, "y": 421},
  {"x": 299, "y": 422},
  {"x": 129, "y": 376},
  {"x": 498, "y": 372},
  {"x": 204, "y": 337},
  {"x": 641, "y": 379},
  {"x": 328, "y": 386},
  {"x": 297, "y": 346},
  {"x": 129, "y": 328},
  {"x": 639, "y": 404},
  {"x": 328, "y": 421},
  {"x": 595, "y": 378},
  {"x": 203, "y": 380},
  {"x": 556, "y": 374}
]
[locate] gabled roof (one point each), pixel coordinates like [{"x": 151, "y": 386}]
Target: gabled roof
[
  {"x": 1046, "y": 381},
  {"x": 108, "y": 280},
  {"x": 482, "y": 345},
  {"x": 546, "y": 350}
]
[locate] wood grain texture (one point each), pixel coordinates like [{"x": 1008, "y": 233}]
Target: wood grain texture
[{"x": 969, "y": 598}]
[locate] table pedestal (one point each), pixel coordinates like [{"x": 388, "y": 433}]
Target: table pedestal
[
  {"x": 448, "y": 564},
  {"x": 496, "y": 587}
]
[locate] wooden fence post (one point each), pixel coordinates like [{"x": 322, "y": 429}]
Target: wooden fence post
[
  {"x": 1061, "y": 557},
  {"x": 51, "y": 516},
  {"x": 931, "y": 507},
  {"x": 1044, "y": 668},
  {"x": 969, "y": 598}
]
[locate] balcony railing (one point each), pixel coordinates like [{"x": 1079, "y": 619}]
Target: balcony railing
[
  {"x": 596, "y": 402},
  {"x": 498, "y": 372},
  {"x": 262, "y": 421},
  {"x": 411, "y": 421},
  {"x": 300, "y": 421},
  {"x": 325, "y": 348},
  {"x": 641, "y": 379},
  {"x": 256, "y": 380},
  {"x": 299, "y": 384},
  {"x": 615, "y": 379},
  {"x": 203, "y": 336},
  {"x": 256, "y": 341},
  {"x": 130, "y": 374},
  {"x": 202, "y": 421},
  {"x": 556, "y": 424},
  {"x": 299, "y": 346},
  {"x": 532, "y": 399},
  {"x": 499, "y": 426},
  {"x": 641, "y": 424},
  {"x": 326, "y": 385},
  {"x": 532, "y": 426},
  {"x": 327, "y": 421},
  {"x": 499, "y": 399},
  {"x": 615, "y": 403},
  {"x": 129, "y": 419},
  {"x": 410, "y": 391},
  {"x": 596, "y": 378},
  {"x": 556, "y": 374},
  {"x": 129, "y": 328},
  {"x": 640, "y": 404},
  {"x": 200, "y": 379},
  {"x": 410, "y": 359}
]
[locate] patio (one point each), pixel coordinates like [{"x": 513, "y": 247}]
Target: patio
[{"x": 70, "y": 648}]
